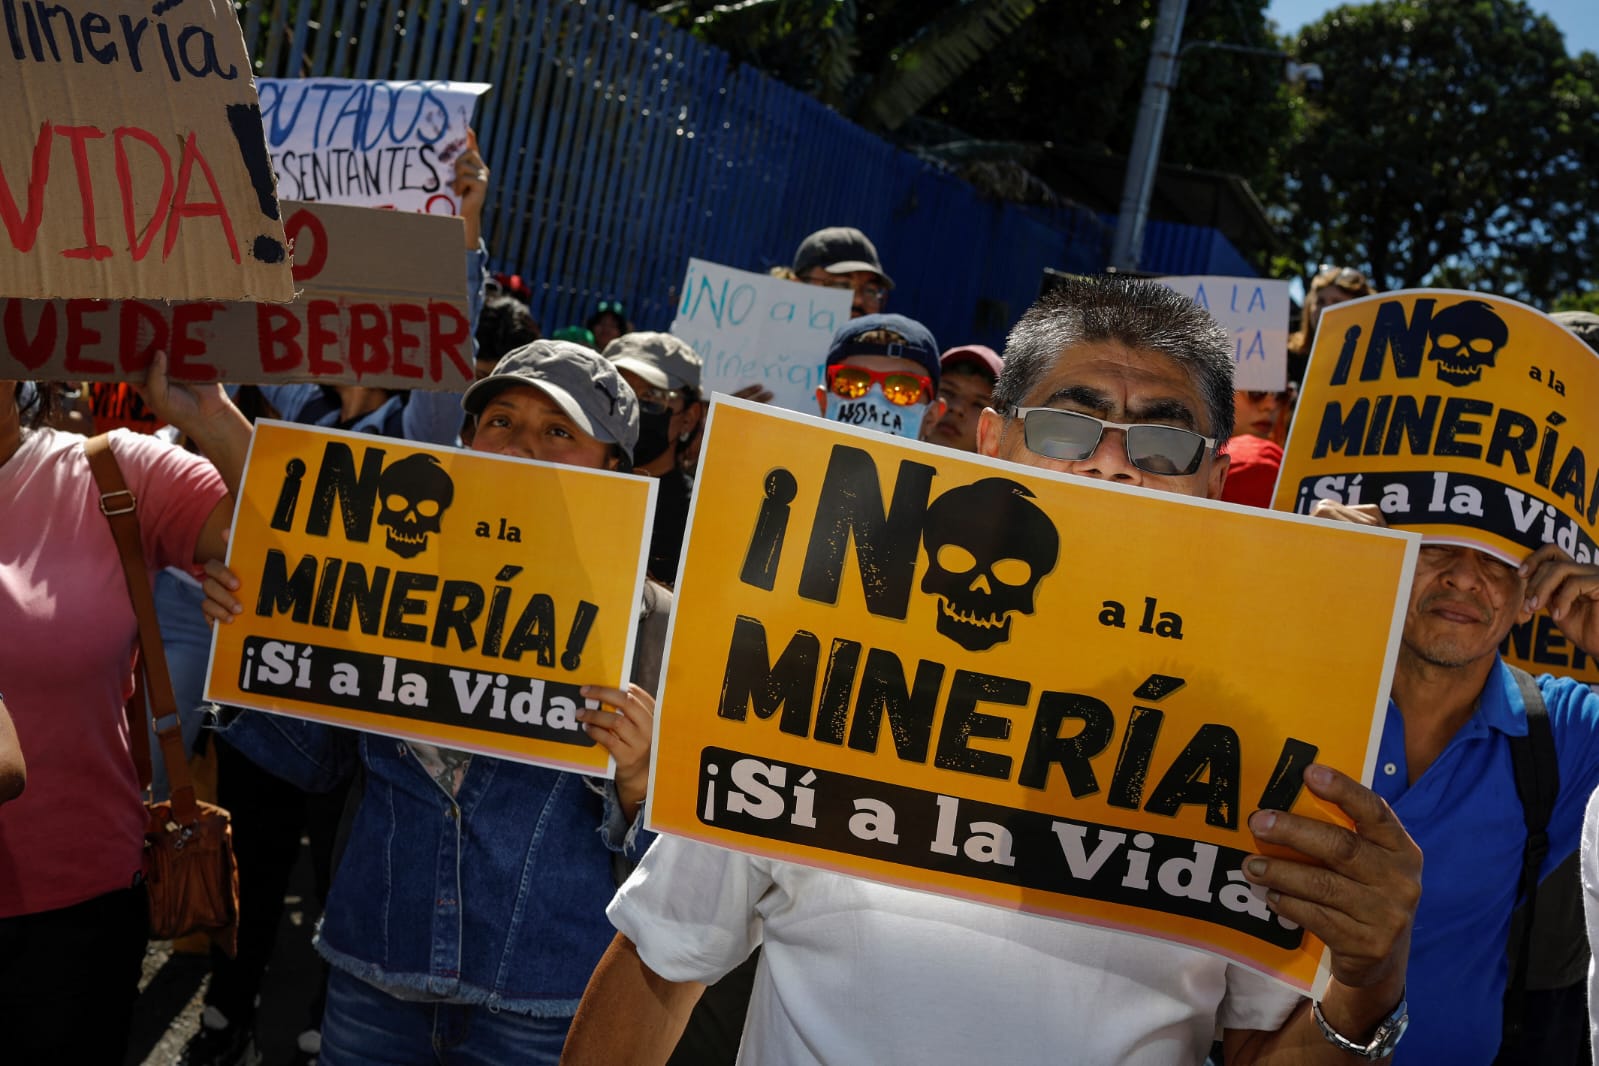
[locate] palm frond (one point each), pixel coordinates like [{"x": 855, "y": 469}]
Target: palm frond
[{"x": 936, "y": 56}]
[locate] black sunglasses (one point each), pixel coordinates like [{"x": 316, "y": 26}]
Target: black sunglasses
[{"x": 1071, "y": 436}]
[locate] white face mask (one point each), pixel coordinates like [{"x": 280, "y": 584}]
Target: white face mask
[{"x": 873, "y": 411}]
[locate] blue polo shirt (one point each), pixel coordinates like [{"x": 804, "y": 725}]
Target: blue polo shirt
[{"x": 1466, "y": 817}]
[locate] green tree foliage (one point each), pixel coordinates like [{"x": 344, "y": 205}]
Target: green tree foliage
[
  {"x": 1455, "y": 143},
  {"x": 1585, "y": 300},
  {"x": 1074, "y": 79},
  {"x": 1008, "y": 80}
]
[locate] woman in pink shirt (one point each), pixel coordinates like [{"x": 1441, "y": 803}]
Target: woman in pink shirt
[{"x": 73, "y": 911}]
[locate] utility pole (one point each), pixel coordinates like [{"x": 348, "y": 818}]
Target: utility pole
[{"x": 1159, "y": 79}]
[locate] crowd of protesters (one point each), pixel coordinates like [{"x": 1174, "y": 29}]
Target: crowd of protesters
[{"x": 480, "y": 910}]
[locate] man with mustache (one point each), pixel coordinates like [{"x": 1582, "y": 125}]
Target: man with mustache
[{"x": 1445, "y": 766}]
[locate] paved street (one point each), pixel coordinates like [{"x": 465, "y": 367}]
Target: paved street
[{"x": 173, "y": 988}]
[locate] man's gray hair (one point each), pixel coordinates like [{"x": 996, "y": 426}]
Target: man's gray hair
[{"x": 1131, "y": 311}]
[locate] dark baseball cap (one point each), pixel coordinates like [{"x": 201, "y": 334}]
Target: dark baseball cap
[
  {"x": 918, "y": 343},
  {"x": 839, "y": 250},
  {"x": 581, "y": 382},
  {"x": 980, "y": 355}
]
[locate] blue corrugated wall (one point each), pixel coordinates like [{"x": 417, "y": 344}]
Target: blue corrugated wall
[{"x": 621, "y": 146}]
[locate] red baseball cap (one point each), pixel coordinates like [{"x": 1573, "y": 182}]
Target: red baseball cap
[{"x": 978, "y": 354}]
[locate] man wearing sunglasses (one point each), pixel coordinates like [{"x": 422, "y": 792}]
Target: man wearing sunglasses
[
  {"x": 842, "y": 257},
  {"x": 1125, "y": 381},
  {"x": 882, "y": 373}
]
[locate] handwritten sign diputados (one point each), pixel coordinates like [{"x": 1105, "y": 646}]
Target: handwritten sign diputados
[
  {"x": 1464, "y": 417},
  {"x": 1004, "y": 684},
  {"x": 382, "y": 303},
  {"x": 132, "y": 159},
  {"x": 433, "y": 594},
  {"x": 390, "y": 144}
]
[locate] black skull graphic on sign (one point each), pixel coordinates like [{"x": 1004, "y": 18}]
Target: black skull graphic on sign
[
  {"x": 988, "y": 546},
  {"x": 415, "y": 492},
  {"x": 1465, "y": 339}
]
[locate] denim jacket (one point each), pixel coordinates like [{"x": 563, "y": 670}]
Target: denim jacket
[{"x": 496, "y": 895}]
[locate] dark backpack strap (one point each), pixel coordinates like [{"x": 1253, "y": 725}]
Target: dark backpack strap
[{"x": 1537, "y": 773}]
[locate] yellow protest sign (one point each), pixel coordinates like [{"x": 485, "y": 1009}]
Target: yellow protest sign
[
  {"x": 1001, "y": 683},
  {"x": 433, "y": 594},
  {"x": 1465, "y": 418}
]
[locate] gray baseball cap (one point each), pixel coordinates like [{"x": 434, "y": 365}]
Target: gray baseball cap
[
  {"x": 583, "y": 384},
  {"x": 665, "y": 361},
  {"x": 839, "y": 250}
]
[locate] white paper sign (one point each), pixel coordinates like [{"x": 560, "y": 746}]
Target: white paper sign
[
  {"x": 1254, "y": 312},
  {"x": 367, "y": 143},
  {"x": 754, "y": 329}
]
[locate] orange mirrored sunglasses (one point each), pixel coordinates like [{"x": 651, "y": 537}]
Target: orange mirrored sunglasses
[{"x": 902, "y": 389}]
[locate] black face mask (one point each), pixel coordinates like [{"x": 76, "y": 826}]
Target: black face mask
[{"x": 653, "y": 436}]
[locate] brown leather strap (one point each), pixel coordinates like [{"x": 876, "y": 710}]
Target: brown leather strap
[{"x": 118, "y": 505}]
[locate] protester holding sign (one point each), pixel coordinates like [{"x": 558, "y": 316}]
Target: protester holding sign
[
  {"x": 270, "y": 815},
  {"x": 1146, "y": 364},
  {"x": 1466, "y": 418},
  {"x": 496, "y": 942},
  {"x": 73, "y": 912}
]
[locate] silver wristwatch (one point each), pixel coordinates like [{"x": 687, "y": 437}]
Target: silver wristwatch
[{"x": 1382, "y": 1042}]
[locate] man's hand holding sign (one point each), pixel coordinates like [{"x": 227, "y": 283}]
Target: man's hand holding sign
[
  {"x": 1466, "y": 418},
  {"x": 1042, "y": 728}
]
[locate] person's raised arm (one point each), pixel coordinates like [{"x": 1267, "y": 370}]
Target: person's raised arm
[
  {"x": 1568, "y": 590},
  {"x": 1358, "y": 893},
  {"x": 218, "y": 429},
  {"x": 629, "y": 1013},
  {"x": 13, "y": 772}
]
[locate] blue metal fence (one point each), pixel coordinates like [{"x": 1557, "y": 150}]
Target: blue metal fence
[{"x": 621, "y": 145}]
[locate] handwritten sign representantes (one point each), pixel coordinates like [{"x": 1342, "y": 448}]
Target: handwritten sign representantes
[
  {"x": 368, "y": 143},
  {"x": 1464, "y": 417},
  {"x": 754, "y": 329},
  {"x": 434, "y": 594},
  {"x": 1005, "y": 684},
  {"x": 132, "y": 162},
  {"x": 383, "y": 303},
  {"x": 1254, "y": 312}
]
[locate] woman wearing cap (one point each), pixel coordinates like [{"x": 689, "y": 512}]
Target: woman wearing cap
[{"x": 469, "y": 905}]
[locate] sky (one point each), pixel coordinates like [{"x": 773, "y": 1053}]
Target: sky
[{"x": 1577, "y": 19}]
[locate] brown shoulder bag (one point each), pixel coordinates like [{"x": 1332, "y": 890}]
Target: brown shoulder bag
[{"x": 188, "y": 843}]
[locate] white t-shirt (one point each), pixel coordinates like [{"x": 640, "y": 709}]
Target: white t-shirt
[
  {"x": 1590, "y": 905},
  {"x": 857, "y": 972}
]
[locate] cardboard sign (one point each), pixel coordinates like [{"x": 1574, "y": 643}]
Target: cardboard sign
[
  {"x": 132, "y": 163},
  {"x": 1004, "y": 684},
  {"x": 1254, "y": 312},
  {"x": 383, "y": 303},
  {"x": 754, "y": 329},
  {"x": 1466, "y": 418},
  {"x": 368, "y": 143},
  {"x": 434, "y": 594}
]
